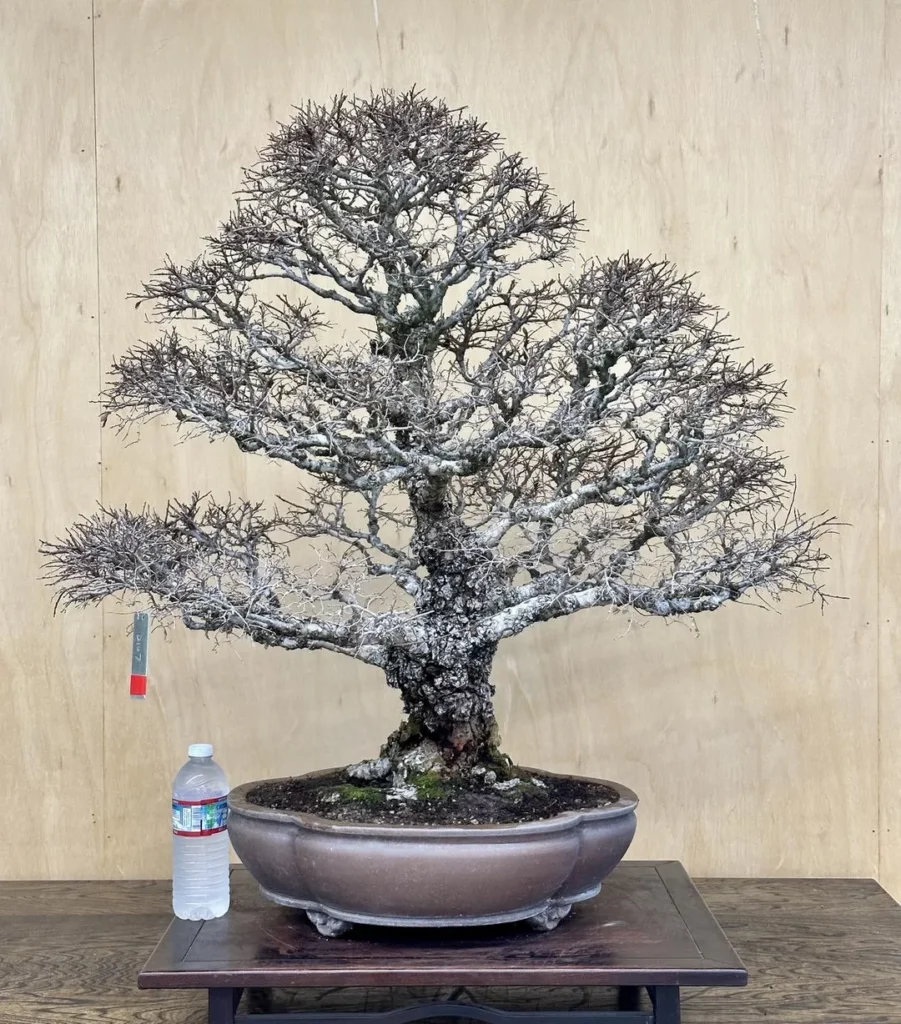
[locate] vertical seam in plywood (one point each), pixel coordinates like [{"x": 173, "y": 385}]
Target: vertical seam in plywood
[
  {"x": 102, "y": 681},
  {"x": 378, "y": 41},
  {"x": 879, "y": 438}
]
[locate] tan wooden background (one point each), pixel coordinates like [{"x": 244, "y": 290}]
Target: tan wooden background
[{"x": 755, "y": 142}]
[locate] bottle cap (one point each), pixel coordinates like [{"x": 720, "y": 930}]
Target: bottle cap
[{"x": 200, "y": 750}]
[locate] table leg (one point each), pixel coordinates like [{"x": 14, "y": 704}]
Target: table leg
[
  {"x": 666, "y": 1004},
  {"x": 628, "y": 997},
  {"x": 222, "y": 1005}
]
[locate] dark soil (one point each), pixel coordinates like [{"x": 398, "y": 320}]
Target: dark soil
[{"x": 441, "y": 801}]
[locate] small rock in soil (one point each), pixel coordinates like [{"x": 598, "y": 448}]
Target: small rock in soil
[
  {"x": 402, "y": 792},
  {"x": 380, "y": 768}
]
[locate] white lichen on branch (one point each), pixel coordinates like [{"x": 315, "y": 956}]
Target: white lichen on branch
[{"x": 492, "y": 449}]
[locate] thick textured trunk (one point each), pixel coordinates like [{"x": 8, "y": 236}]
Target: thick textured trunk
[
  {"x": 449, "y": 703},
  {"x": 444, "y": 677}
]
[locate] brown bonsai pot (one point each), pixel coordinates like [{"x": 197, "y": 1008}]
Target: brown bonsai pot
[{"x": 436, "y": 876}]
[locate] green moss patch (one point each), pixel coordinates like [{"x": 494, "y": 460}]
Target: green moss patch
[
  {"x": 429, "y": 786},
  {"x": 350, "y": 794}
]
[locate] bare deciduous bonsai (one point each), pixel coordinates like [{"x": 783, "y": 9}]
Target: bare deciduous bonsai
[{"x": 492, "y": 449}]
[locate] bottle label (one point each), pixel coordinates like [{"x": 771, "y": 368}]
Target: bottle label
[{"x": 200, "y": 817}]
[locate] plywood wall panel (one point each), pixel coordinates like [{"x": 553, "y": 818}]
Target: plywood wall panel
[
  {"x": 51, "y": 693},
  {"x": 748, "y": 150},
  {"x": 742, "y": 140},
  {"x": 187, "y": 93}
]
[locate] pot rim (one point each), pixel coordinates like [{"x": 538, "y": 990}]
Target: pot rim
[{"x": 628, "y": 801}]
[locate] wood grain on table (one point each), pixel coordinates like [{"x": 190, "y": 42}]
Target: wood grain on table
[{"x": 818, "y": 951}]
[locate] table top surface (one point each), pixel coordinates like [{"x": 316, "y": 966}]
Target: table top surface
[
  {"x": 819, "y": 951},
  {"x": 649, "y": 926}
]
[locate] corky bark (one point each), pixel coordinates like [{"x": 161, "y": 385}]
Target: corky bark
[
  {"x": 490, "y": 450},
  {"x": 449, "y": 701},
  {"x": 444, "y": 680}
]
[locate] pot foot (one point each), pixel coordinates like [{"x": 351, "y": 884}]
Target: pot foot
[
  {"x": 549, "y": 918},
  {"x": 327, "y": 925}
]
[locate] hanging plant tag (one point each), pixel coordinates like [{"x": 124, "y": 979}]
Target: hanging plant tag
[{"x": 140, "y": 642}]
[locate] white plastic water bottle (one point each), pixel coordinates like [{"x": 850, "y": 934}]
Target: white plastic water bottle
[{"x": 200, "y": 840}]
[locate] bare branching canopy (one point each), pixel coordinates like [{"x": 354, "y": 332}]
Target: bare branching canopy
[{"x": 504, "y": 440}]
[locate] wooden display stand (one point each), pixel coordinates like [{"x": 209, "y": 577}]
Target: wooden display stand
[{"x": 649, "y": 929}]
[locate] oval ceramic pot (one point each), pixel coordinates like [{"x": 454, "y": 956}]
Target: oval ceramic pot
[{"x": 427, "y": 875}]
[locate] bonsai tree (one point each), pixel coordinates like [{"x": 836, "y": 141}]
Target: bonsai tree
[{"x": 492, "y": 448}]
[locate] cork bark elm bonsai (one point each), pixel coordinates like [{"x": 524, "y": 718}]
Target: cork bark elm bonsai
[{"x": 507, "y": 435}]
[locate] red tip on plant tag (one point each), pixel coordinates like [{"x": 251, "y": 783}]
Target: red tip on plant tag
[{"x": 138, "y": 687}]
